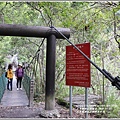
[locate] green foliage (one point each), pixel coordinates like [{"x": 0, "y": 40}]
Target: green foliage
[
  {"x": 113, "y": 103},
  {"x": 78, "y": 90},
  {"x": 62, "y": 90},
  {"x": 88, "y": 21},
  {"x": 62, "y": 102}
]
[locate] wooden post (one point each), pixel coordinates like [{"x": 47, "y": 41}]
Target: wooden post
[
  {"x": 50, "y": 73},
  {"x": 51, "y": 35},
  {"x": 31, "y": 93}
]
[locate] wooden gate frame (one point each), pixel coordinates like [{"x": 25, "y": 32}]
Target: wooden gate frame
[{"x": 51, "y": 35}]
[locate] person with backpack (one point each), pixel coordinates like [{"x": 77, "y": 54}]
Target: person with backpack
[
  {"x": 19, "y": 73},
  {"x": 9, "y": 76}
]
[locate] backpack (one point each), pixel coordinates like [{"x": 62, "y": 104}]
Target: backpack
[{"x": 5, "y": 74}]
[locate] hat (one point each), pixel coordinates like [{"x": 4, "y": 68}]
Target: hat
[{"x": 20, "y": 64}]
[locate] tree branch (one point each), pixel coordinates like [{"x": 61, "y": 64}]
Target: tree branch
[
  {"x": 115, "y": 31},
  {"x": 38, "y": 11}
]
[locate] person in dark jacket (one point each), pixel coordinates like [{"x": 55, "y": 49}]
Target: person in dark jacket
[{"x": 19, "y": 73}]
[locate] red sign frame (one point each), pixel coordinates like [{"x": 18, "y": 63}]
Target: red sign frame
[{"x": 77, "y": 66}]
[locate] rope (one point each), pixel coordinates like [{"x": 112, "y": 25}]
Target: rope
[{"x": 37, "y": 51}]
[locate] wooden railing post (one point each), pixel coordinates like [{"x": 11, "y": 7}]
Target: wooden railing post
[{"x": 31, "y": 95}]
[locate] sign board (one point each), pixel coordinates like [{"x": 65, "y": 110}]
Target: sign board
[{"x": 77, "y": 66}]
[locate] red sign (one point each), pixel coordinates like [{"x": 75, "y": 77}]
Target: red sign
[{"x": 77, "y": 66}]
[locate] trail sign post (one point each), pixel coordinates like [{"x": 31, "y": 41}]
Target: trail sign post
[
  {"x": 114, "y": 80},
  {"x": 78, "y": 70},
  {"x": 77, "y": 66}
]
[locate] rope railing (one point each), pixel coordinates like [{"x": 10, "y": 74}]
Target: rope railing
[
  {"x": 3, "y": 82},
  {"x": 28, "y": 85}
]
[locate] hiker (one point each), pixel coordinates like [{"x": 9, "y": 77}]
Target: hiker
[
  {"x": 19, "y": 73},
  {"x": 9, "y": 76}
]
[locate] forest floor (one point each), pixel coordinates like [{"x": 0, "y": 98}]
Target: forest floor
[
  {"x": 61, "y": 109},
  {"x": 34, "y": 112}
]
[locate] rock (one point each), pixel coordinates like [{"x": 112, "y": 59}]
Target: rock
[{"x": 49, "y": 113}]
